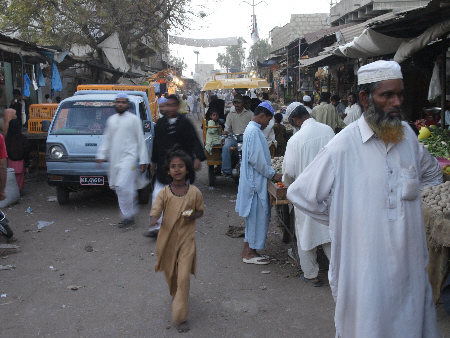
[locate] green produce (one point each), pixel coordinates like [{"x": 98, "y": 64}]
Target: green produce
[{"x": 439, "y": 143}]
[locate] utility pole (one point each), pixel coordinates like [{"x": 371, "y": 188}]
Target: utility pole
[
  {"x": 196, "y": 66},
  {"x": 254, "y": 25}
]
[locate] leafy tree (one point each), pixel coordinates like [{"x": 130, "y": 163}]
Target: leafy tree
[
  {"x": 89, "y": 22},
  {"x": 177, "y": 62},
  {"x": 234, "y": 56},
  {"x": 262, "y": 49}
]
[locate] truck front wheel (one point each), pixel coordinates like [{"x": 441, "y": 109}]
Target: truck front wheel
[{"x": 62, "y": 195}]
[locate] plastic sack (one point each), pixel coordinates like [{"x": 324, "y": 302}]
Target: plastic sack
[
  {"x": 434, "y": 91},
  {"x": 11, "y": 189}
]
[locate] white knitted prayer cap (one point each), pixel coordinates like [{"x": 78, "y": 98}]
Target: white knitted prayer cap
[{"x": 379, "y": 71}]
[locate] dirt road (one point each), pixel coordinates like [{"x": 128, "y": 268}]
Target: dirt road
[{"x": 82, "y": 276}]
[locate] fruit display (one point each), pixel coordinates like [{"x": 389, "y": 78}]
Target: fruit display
[
  {"x": 437, "y": 197},
  {"x": 421, "y": 123},
  {"x": 280, "y": 185},
  {"x": 438, "y": 143},
  {"x": 446, "y": 169}
]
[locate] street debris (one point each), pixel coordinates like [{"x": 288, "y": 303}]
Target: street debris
[
  {"x": 235, "y": 231},
  {"x": 3, "y": 295},
  {"x": 88, "y": 248},
  {"x": 75, "y": 287},
  {"x": 52, "y": 199},
  {"x": 43, "y": 224},
  {"x": 208, "y": 301},
  {"x": 6, "y": 249},
  {"x": 7, "y": 267},
  {"x": 265, "y": 272},
  {"x": 29, "y": 210},
  {"x": 263, "y": 287}
]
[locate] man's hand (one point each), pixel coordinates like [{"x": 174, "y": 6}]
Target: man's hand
[
  {"x": 277, "y": 177},
  {"x": 2, "y": 196},
  {"x": 224, "y": 132},
  {"x": 197, "y": 164},
  {"x": 153, "y": 168},
  {"x": 143, "y": 167}
]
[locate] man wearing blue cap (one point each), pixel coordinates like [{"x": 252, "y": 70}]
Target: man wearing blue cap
[
  {"x": 123, "y": 145},
  {"x": 252, "y": 199}
]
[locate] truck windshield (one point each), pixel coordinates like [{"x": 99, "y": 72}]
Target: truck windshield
[{"x": 83, "y": 117}]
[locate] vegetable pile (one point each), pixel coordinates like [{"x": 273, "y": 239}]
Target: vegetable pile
[
  {"x": 277, "y": 164},
  {"x": 439, "y": 143},
  {"x": 437, "y": 197}
]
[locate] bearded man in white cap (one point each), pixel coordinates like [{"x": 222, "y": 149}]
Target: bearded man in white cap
[
  {"x": 124, "y": 146},
  {"x": 365, "y": 184}
]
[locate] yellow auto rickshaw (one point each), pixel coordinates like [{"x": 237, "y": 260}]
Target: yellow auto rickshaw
[{"x": 240, "y": 82}]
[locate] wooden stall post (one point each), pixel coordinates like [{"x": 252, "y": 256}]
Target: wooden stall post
[{"x": 444, "y": 47}]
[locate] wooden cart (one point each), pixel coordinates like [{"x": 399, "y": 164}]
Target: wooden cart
[{"x": 285, "y": 214}]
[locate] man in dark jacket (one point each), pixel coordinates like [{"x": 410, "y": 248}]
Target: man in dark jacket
[
  {"x": 173, "y": 128},
  {"x": 20, "y": 106}
]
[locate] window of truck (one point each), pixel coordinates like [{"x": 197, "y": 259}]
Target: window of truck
[{"x": 83, "y": 117}]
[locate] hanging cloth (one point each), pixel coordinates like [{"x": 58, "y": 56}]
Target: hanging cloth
[
  {"x": 41, "y": 80},
  {"x": 26, "y": 85},
  {"x": 33, "y": 80},
  {"x": 56, "y": 79},
  {"x": 434, "y": 91}
]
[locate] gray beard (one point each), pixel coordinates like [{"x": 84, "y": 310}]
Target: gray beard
[{"x": 386, "y": 127}]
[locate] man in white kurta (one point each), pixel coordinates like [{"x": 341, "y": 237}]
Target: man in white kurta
[
  {"x": 301, "y": 150},
  {"x": 123, "y": 146},
  {"x": 368, "y": 191},
  {"x": 353, "y": 111},
  {"x": 252, "y": 200}
]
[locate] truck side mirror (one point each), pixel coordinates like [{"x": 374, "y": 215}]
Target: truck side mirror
[
  {"x": 147, "y": 126},
  {"x": 45, "y": 126}
]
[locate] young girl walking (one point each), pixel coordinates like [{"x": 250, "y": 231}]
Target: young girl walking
[{"x": 182, "y": 203}]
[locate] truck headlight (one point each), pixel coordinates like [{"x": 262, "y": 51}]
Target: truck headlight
[{"x": 56, "y": 152}]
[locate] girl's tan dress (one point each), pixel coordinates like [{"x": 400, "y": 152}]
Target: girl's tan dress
[{"x": 175, "y": 247}]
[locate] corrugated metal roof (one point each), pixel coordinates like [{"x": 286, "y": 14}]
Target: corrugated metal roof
[
  {"x": 310, "y": 61},
  {"x": 317, "y": 35},
  {"x": 349, "y": 33}
]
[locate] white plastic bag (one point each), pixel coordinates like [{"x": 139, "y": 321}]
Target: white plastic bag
[
  {"x": 435, "y": 85},
  {"x": 11, "y": 189}
]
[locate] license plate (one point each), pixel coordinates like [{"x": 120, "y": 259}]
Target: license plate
[{"x": 92, "y": 180}]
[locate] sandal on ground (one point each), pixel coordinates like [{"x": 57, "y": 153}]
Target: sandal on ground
[
  {"x": 126, "y": 223},
  {"x": 151, "y": 233},
  {"x": 259, "y": 260},
  {"x": 310, "y": 282}
]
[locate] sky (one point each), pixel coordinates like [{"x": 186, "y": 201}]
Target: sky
[{"x": 228, "y": 18}]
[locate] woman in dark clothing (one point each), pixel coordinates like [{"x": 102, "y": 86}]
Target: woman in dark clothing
[{"x": 18, "y": 152}]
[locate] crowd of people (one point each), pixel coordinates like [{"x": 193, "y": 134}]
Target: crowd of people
[{"x": 353, "y": 175}]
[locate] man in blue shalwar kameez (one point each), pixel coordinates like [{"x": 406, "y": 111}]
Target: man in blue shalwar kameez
[{"x": 252, "y": 199}]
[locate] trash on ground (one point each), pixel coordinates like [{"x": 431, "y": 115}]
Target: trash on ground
[
  {"x": 52, "y": 199},
  {"x": 208, "y": 300},
  {"x": 8, "y": 249},
  {"x": 265, "y": 272},
  {"x": 211, "y": 188},
  {"x": 88, "y": 248},
  {"x": 43, "y": 224},
  {"x": 7, "y": 267},
  {"x": 235, "y": 231},
  {"x": 74, "y": 287},
  {"x": 263, "y": 287},
  {"x": 3, "y": 295},
  {"x": 28, "y": 210},
  {"x": 50, "y": 267}
]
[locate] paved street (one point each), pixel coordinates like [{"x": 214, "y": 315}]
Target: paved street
[{"x": 119, "y": 294}]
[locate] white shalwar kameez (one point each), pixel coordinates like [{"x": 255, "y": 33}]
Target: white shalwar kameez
[
  {"x": 369, "y": 194},
  {"x": 353, "y": 112},
  {"x": 301, "y": 150},
  {"x": 123, "y": 146}
]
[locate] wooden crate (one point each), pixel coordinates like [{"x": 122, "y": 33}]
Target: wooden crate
[{"x": 277, "y": 195}]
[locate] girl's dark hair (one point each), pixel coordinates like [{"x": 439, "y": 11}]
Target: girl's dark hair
[
  {"x": 14, "y": 128},
  {"x": 176, "y": 151}
]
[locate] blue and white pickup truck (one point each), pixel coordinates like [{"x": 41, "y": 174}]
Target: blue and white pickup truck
[{"x": 75, "y": 134}]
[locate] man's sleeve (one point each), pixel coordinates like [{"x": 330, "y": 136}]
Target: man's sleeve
[
  {"x": 156, "y": 141},
  {"x": 198, "y": 150},
  {"x": 142, "y": 147},
  {"x": 312, "y": 190},
  {"x": 289, "y": 164},
  {"x": 256, "y": 156},
  {"x": 431, "y": 172},
  {"x": 103, "y": 149}
]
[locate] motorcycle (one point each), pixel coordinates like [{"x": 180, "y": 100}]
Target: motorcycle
[
  {"x": 236, "y": 154},
  {"x": 5, "y": 229}
]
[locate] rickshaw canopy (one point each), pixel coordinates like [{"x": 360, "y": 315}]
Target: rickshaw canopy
[{"x": 233, "y": 81}]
